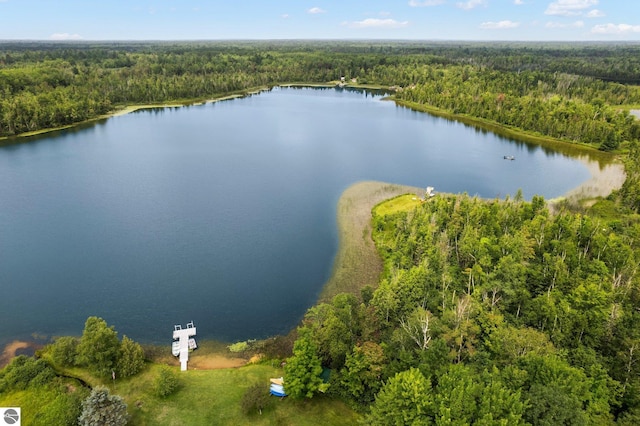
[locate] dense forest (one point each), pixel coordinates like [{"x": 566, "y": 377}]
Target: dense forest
[
  {"x": 488, "y": 311},
  {"x": 577, "y": 93}
]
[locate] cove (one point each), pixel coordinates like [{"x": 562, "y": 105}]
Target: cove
[{"x": 222, "y": 213}]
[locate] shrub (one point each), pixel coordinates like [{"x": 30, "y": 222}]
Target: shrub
[
  {"x": 166, "y": 383},
  {"x": 256, "y": 398},
  {"x": 23, "y": 372},
  {"x": 64, "y": 351},
  {"x": 238, "y": 347}
]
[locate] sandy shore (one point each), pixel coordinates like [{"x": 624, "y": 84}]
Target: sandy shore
[
  {"x": 15, "y": 348},
  {"x": 215, "y": 362},
  {"x": 132, "y": 108}
]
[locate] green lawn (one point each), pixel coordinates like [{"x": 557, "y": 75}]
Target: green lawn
[
  {"x": 212, "y": 397},
  {"x": 206, "y": 397},
  {"x": 402, "y": 203}
]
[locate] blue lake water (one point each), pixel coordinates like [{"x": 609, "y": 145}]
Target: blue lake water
[{"x": 222, "y": 213}]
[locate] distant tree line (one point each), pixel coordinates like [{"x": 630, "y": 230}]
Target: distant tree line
[{"x": 572, "y": 92}]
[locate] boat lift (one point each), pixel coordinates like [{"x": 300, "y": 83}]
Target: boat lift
[{"x": 183, "y": 342}]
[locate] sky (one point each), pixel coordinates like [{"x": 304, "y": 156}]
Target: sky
[{"x": 517, "y": 20}]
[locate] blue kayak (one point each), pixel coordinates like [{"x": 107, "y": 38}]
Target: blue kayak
[{"x": 277, "y": 390}]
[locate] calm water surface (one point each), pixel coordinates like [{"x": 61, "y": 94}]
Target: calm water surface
[{"x": 223, "y": 213}]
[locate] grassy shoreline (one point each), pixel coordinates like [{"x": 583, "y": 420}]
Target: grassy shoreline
[
  {"x": 568, "y": 148},
  {"x": 546, "y": 142},
  {"x": 357, "y": 263},
  {"x": 126, "y": 109}
]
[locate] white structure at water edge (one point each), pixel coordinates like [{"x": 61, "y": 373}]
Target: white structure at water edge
[
  {"x": 429, "y": 192},
  {"x": 183, "y": 343}
]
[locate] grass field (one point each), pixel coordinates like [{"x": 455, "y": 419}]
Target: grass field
[
  {"x": 205, "y": 397},
  {"x": 402, "y": 203},
  {"x": 213, "y": 397}
]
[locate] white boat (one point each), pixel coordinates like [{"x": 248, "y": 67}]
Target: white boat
[{"x": 175, "y": 348}]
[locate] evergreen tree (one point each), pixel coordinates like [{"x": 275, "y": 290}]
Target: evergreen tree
[
  {"x": 130, "y": 358},
  {"x": 102, "y": 409}
]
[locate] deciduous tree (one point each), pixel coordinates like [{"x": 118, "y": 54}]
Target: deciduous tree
[
  {"x": 303, "y": 369},
  {"x": 99, "y": 347}
]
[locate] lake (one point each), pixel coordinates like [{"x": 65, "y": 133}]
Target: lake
[{"x": 222, "y": 213}]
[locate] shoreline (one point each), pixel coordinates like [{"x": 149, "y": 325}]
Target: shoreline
[
  {"x": 356, "y": 263},
  {"x": 126, "y": 109},
  {"x": 15, "y": 348},
  {"x": 603, "y": 181},
  {"x": 574, "y": 150}
]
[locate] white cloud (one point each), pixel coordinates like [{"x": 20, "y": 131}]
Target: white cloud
[
  {"x": 65, "y": 36},
  {"x": 577, "y": 24},
  {"x": 285, "y": 16},
  {"x": 501, "y": 25},
  {"x": 316, "y": 10},
  {"x": 569, "y": 7},
  {"x": 615, "y": 29},
  {"x": 424, "y": 3},
  {"x": 377, "y": 23},
  {"x": 595, "y": 13},
  {"x": 518, "y": 2},
  {"x": 471, "y": 4}
]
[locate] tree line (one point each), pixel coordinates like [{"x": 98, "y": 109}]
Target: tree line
[
  {"x": 571, "y": 92},
  {"x": 488, "y": 312}
]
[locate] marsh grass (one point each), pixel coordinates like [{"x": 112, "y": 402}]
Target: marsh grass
[{"x": 357, "y": 263}]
